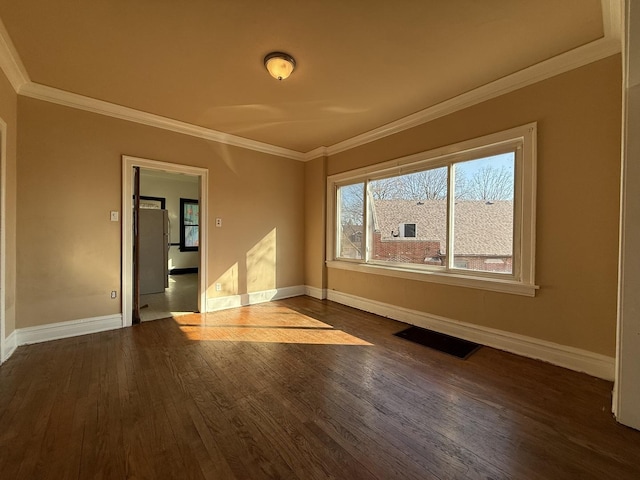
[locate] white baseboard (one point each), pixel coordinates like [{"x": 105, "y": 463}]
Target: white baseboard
[
  {"x": 72, "y": 328},
  {"x": 233, "y": 301},
  {"x": 10, "y": 345},
  {"x": 319, "y": 293},
  {"x": 594, "y": 364}
]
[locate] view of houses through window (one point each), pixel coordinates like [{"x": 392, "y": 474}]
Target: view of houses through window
[{"x": 414, "y": 219}]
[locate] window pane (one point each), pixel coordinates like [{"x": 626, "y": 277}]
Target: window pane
[
  {"x": 410, "y": 218},
  {"x": 351, "y": 227},
  {"x": 483, "y": 214},
  {"x": 191, "y": 214},
  {"x": 191, "y": 235},
  {"x": 189, "y": 221}
]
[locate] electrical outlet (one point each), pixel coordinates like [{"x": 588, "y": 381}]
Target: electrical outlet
[
  {"x": 218, "y": 222},
  {"x": 218, "y": 287},
  {"x": 114, "y": 294},
  {"x": 114, "y": 216}
]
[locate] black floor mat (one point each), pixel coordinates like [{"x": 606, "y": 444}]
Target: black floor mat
[{"x": 439, "y": 341}]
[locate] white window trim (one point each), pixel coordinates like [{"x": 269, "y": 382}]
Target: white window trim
[{"x": 523, "y": 280}]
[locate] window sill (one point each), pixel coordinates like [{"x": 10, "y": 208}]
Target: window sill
[{"x": 455, "y": 279}]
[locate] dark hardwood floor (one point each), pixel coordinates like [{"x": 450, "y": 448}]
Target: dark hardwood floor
[{"x": 298, "y": 389}]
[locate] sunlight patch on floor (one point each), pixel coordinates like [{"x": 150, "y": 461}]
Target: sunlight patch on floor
[
  {"x": 264, "y": 324},
  {"x": 273, "y": 335}
]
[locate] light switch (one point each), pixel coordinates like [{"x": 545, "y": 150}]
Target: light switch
[
  {"x": 218, "y": 222},
  {"x": 114, "y": 216}
]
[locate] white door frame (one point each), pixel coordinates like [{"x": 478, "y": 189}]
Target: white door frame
[
  {"x": 3, "y": 238},
  {"x": 127, "y": 227},
  {"x": 626, "y": 392}
]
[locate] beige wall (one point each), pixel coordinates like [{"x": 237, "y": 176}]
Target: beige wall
[
  {"x": 315, "y": 207},
  {"x": 579, "y": 117},
  {"x": 8, "y": 108},
  {"x": 69, "y": 178}
]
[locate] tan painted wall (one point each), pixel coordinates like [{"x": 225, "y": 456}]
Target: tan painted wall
[
  {"x": 8, "y": 109},
  {"x": 579, "y": 117},
  {"x": 315, "y": 207},
  {"x": 69, "y": 178}
]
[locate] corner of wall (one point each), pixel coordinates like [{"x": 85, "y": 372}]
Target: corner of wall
[
  {"x": 8, "y": 202},
  {"x": 315, "y": 274}
]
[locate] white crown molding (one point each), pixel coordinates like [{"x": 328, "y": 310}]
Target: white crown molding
[
  {"x": 554, "y": 66},
  {"x": 10, "y": 61},
  {"x": 316, "y": 153},
  {"x": 563, "y": 63},
  {"x": 14, "y": 69},
  {"x": 609, "y": 45},
  {"x": 68, "y": 99},
  {"x": 577, "y": 359}
]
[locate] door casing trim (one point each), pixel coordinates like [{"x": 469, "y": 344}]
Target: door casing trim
[{"x": 128, "y": 162}]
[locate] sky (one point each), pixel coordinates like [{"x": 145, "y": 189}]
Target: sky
[{"x": 497, "y": 161}]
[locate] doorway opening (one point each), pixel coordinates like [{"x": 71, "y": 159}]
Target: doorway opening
[
  {"x": 169, "y": 244},
  {"x": 173, "y": 279}
]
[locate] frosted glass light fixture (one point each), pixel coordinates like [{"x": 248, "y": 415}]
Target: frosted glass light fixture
[{"x": 280, "y": 65}]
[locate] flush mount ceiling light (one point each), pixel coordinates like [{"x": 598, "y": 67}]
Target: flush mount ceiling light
[{"x": 280, "y": 65}]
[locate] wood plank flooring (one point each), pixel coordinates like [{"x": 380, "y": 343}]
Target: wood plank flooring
[{"x": 298, "y": 389}]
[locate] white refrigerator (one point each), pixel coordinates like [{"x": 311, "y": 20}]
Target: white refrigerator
[{"x": 154, "y": 250}]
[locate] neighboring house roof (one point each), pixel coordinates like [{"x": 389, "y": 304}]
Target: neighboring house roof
[{"x": 482, "y": 228}]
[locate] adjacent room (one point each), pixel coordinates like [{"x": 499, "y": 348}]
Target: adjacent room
[{"x": 247, "y": 240}]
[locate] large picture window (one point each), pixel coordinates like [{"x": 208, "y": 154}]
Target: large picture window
[{"x": 460, "y": 215}]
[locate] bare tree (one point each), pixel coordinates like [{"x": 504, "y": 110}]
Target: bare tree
[
  {"x": 386, "y": 188},
  {"x": 351, "y": 220},
  {"x": 425, "y": 185},
  {"x": 432, "y": 185},
  {"x": 352, "y": 204},
  {"x": 491, "y": 183}
]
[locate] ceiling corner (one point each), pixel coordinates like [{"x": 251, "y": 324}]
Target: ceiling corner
[
  {"x": 10, "y": 61},
  {"x": 315, "y": 153}
]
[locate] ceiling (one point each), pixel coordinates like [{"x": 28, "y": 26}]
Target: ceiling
[{"x": 361, "y": 65}]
